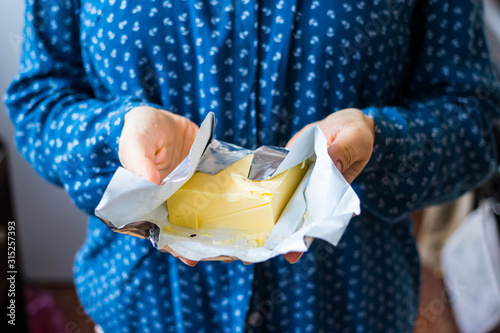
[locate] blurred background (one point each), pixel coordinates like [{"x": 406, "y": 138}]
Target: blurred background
[{"x": 49, "y": 229}]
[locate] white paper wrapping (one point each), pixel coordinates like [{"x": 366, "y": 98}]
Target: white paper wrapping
[
  {"x": 471, "y": 268},
  {"x": 321, "y": 207}
]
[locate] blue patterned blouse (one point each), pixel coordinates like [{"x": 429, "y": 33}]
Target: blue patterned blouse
[{"x": 266, "y": 68}]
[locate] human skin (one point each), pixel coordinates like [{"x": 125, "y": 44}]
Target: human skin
[
  {"x": 350, "y": 136},
  {"x": 153, "y": 142}
]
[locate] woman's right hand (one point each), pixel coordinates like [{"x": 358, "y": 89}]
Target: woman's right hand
[{"x": 153, "y": 142}]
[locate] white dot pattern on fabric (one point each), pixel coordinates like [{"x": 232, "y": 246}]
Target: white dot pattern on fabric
[{"x": 266, "y": 68}]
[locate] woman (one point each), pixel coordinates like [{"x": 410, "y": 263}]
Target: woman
[{"x": 402, "y": 90}]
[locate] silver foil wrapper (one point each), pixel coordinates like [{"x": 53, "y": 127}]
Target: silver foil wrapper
[{"x": 219, "y": 155}]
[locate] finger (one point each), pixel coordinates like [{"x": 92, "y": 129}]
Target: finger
[
  {"x": 147, "y": 170},
  {"x": 172, "y": 252},
  {"x": 293, "y": 257},
  {"x": 140, "y": 159},
  {"x": 161, "y": 156},
  {"x": 170, "y": 156},
  {"x": 190, "y": 136},
  {"x": 351, "y": 150},
  {"x": 351, "y": 173},
  {"x": 188, "y": 262},
  {"x": 349, "y": 147},
  {"x": 164, "y": 163}
]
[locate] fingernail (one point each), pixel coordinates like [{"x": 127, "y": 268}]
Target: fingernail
[{"x": 339, "y": 166}]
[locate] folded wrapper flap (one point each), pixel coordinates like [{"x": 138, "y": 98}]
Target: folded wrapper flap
[{"x": 321, "y": 207}]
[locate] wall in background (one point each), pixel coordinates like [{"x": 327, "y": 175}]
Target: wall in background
[
  {"x": 49, "y": 228},
  {"x": 492, "y": 22}
]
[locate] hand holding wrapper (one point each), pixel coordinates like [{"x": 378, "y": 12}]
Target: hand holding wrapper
[{"x": 321, "y": 206}]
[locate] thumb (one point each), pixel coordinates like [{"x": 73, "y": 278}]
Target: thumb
[
  {"x": 350, "y": 151},
  {"x": 140, "y": 160},
  {"x": 342, "y": 154},
  {"x": 146, "y": 168}
]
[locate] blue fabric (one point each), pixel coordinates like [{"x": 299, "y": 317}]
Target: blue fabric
[{"x": 266, "y": 68}]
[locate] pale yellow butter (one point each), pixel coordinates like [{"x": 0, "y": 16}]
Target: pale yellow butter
[{"x": 229, "y": 200}]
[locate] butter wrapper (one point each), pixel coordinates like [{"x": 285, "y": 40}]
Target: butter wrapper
[{"x": 321, "y": 207}]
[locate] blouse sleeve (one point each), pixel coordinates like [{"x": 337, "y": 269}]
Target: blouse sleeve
[
  {"x": 438, "y": 142},
  {"x": 69, "y": 136}
]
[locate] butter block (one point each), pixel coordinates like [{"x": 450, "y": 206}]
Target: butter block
[{"x": 229, "y": 200}]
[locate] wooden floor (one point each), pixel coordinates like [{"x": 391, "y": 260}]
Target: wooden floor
[
  {"x": 435, "y": 314},
  {"x": 55, "y": 308}
]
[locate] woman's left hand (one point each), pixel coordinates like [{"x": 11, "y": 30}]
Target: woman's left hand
[{"x": 350, "y": 136}]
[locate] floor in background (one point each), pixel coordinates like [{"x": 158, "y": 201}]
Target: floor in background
[
  {"x": 59, "y": 306},
  {"x": 56, "y": 309},
  {"x": 435, "y": 314}
]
